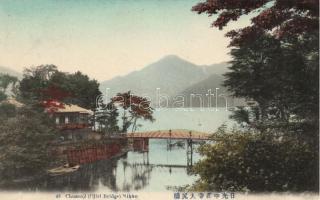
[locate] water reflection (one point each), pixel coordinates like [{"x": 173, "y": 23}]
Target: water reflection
[{"x": 156, "y": 170}]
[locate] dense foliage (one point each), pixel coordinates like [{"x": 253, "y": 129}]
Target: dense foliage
[
  {"x": 280, "y": 17},
  {"x": 6, "y": 81},
  {"x": 25, "y": 138},
  {"x": 46, "y": 83},
  {"x": 27, "y": 132},
  {"x": 280, "y": 75},
  {"x": 275, "y": 67},
  {"x": 107, "y": 118},
  {"x": 134, "y": 108},
  {"x": 258, "y": 162}
]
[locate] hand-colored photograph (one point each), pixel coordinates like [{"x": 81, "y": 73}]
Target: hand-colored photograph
[{"x": 159, "y": 99}]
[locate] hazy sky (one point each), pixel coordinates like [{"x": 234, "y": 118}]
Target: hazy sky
[{"x": 106, "y": 38}]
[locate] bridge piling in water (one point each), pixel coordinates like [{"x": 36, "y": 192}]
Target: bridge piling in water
[
  {"x": 141, "y": 144},
  {"x": 169, "y": 143},
  {"x": 189, "y": 151}
]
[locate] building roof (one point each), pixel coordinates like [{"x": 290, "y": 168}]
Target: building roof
[
  {"x": 67, "y": 108},
  {"x": 58, "y": 107},
  {"x": 71, "y": 108},
  {"x": 14, "y": 102}
]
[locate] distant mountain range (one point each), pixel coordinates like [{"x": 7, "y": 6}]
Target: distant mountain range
[
  {"x": 168, "y": 78},
  {"x": 6, "y": 70}
]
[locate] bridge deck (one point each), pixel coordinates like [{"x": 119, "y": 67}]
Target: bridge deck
[{"x": 170, "y": 134}]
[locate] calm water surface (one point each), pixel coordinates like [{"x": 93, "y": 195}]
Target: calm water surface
[
  {"x": 158, "y": 170},
  {"x": 206, "y": 120}
]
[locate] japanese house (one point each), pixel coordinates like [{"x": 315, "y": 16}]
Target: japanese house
[
  {"x": 72, "y": 117},
  {"x": 73, "y": 121}
]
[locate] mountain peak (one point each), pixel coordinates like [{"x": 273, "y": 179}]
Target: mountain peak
[
  {"x": 170, "y": 73},
  {"x": 172, "y": 57},
  {"x": 171, "y": 61}
]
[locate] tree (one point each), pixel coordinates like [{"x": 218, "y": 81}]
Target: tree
[
  {"x": 25, "y": 139},
  {"x": 107, "y": 118},
  {"x": 7, "y": 111},
  {"x": 257, "y": 67},
  {"x": 34, "y": 81},
  {"x": 254, "y": 162},
  {"x": 280, "y": 18},
  {"x": 134, "y": 108},
  {"x": 3, "y": 96},
  {"x": 280, "y": 78},
  {"x": 5, "y": 81},
  {"x": 46, "y": 84},
  {"x": 83, "y": 89},
  {"x": 275, "y": 59},
  {"x": 279, "y": 48},
  {"x": 80, "y": 90},
  {"x": 275, "y": 65}
]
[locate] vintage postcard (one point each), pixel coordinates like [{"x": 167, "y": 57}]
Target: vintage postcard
[{"x": 159, "y": 99}]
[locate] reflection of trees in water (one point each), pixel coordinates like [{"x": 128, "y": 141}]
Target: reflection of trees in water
[
  {"x": 87, "y": 177},
  {"x": 121, "y": 174},
  {"x": 140, "y": 176},
  {"x": 135, "y": 177},
  {"x": 91, "y": 176}
]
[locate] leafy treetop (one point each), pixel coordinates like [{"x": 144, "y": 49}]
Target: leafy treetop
[
  {"x": 280, "y": 17},
  {"x": 47, "y": 85}
]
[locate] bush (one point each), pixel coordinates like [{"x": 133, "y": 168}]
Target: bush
[
  {"x": 24, "y": 142},
  {"x": 242, "y": 161},
  {"x": 7, "y": 110}
]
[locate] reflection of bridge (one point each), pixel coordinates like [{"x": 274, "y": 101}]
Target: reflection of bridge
[
  {"x": 140, "y": 140},
  {"x": 166, "y": 166},
  {"x": 157, "y": 165}
]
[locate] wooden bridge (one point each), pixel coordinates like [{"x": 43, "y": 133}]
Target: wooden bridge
[
  {"x": 177, "y": 134},
  {"x": 140, "y": 140}
]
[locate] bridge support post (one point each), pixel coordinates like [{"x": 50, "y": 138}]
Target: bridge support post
[
  {"x": 189, "y": 153},
  {"x": 169, "y": 145},
  {"x": 145, "y": 144}
]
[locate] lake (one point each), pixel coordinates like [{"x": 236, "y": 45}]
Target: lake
[
  {"x": 205, "y": 119},
  {"x": 158, "y": 170}
]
